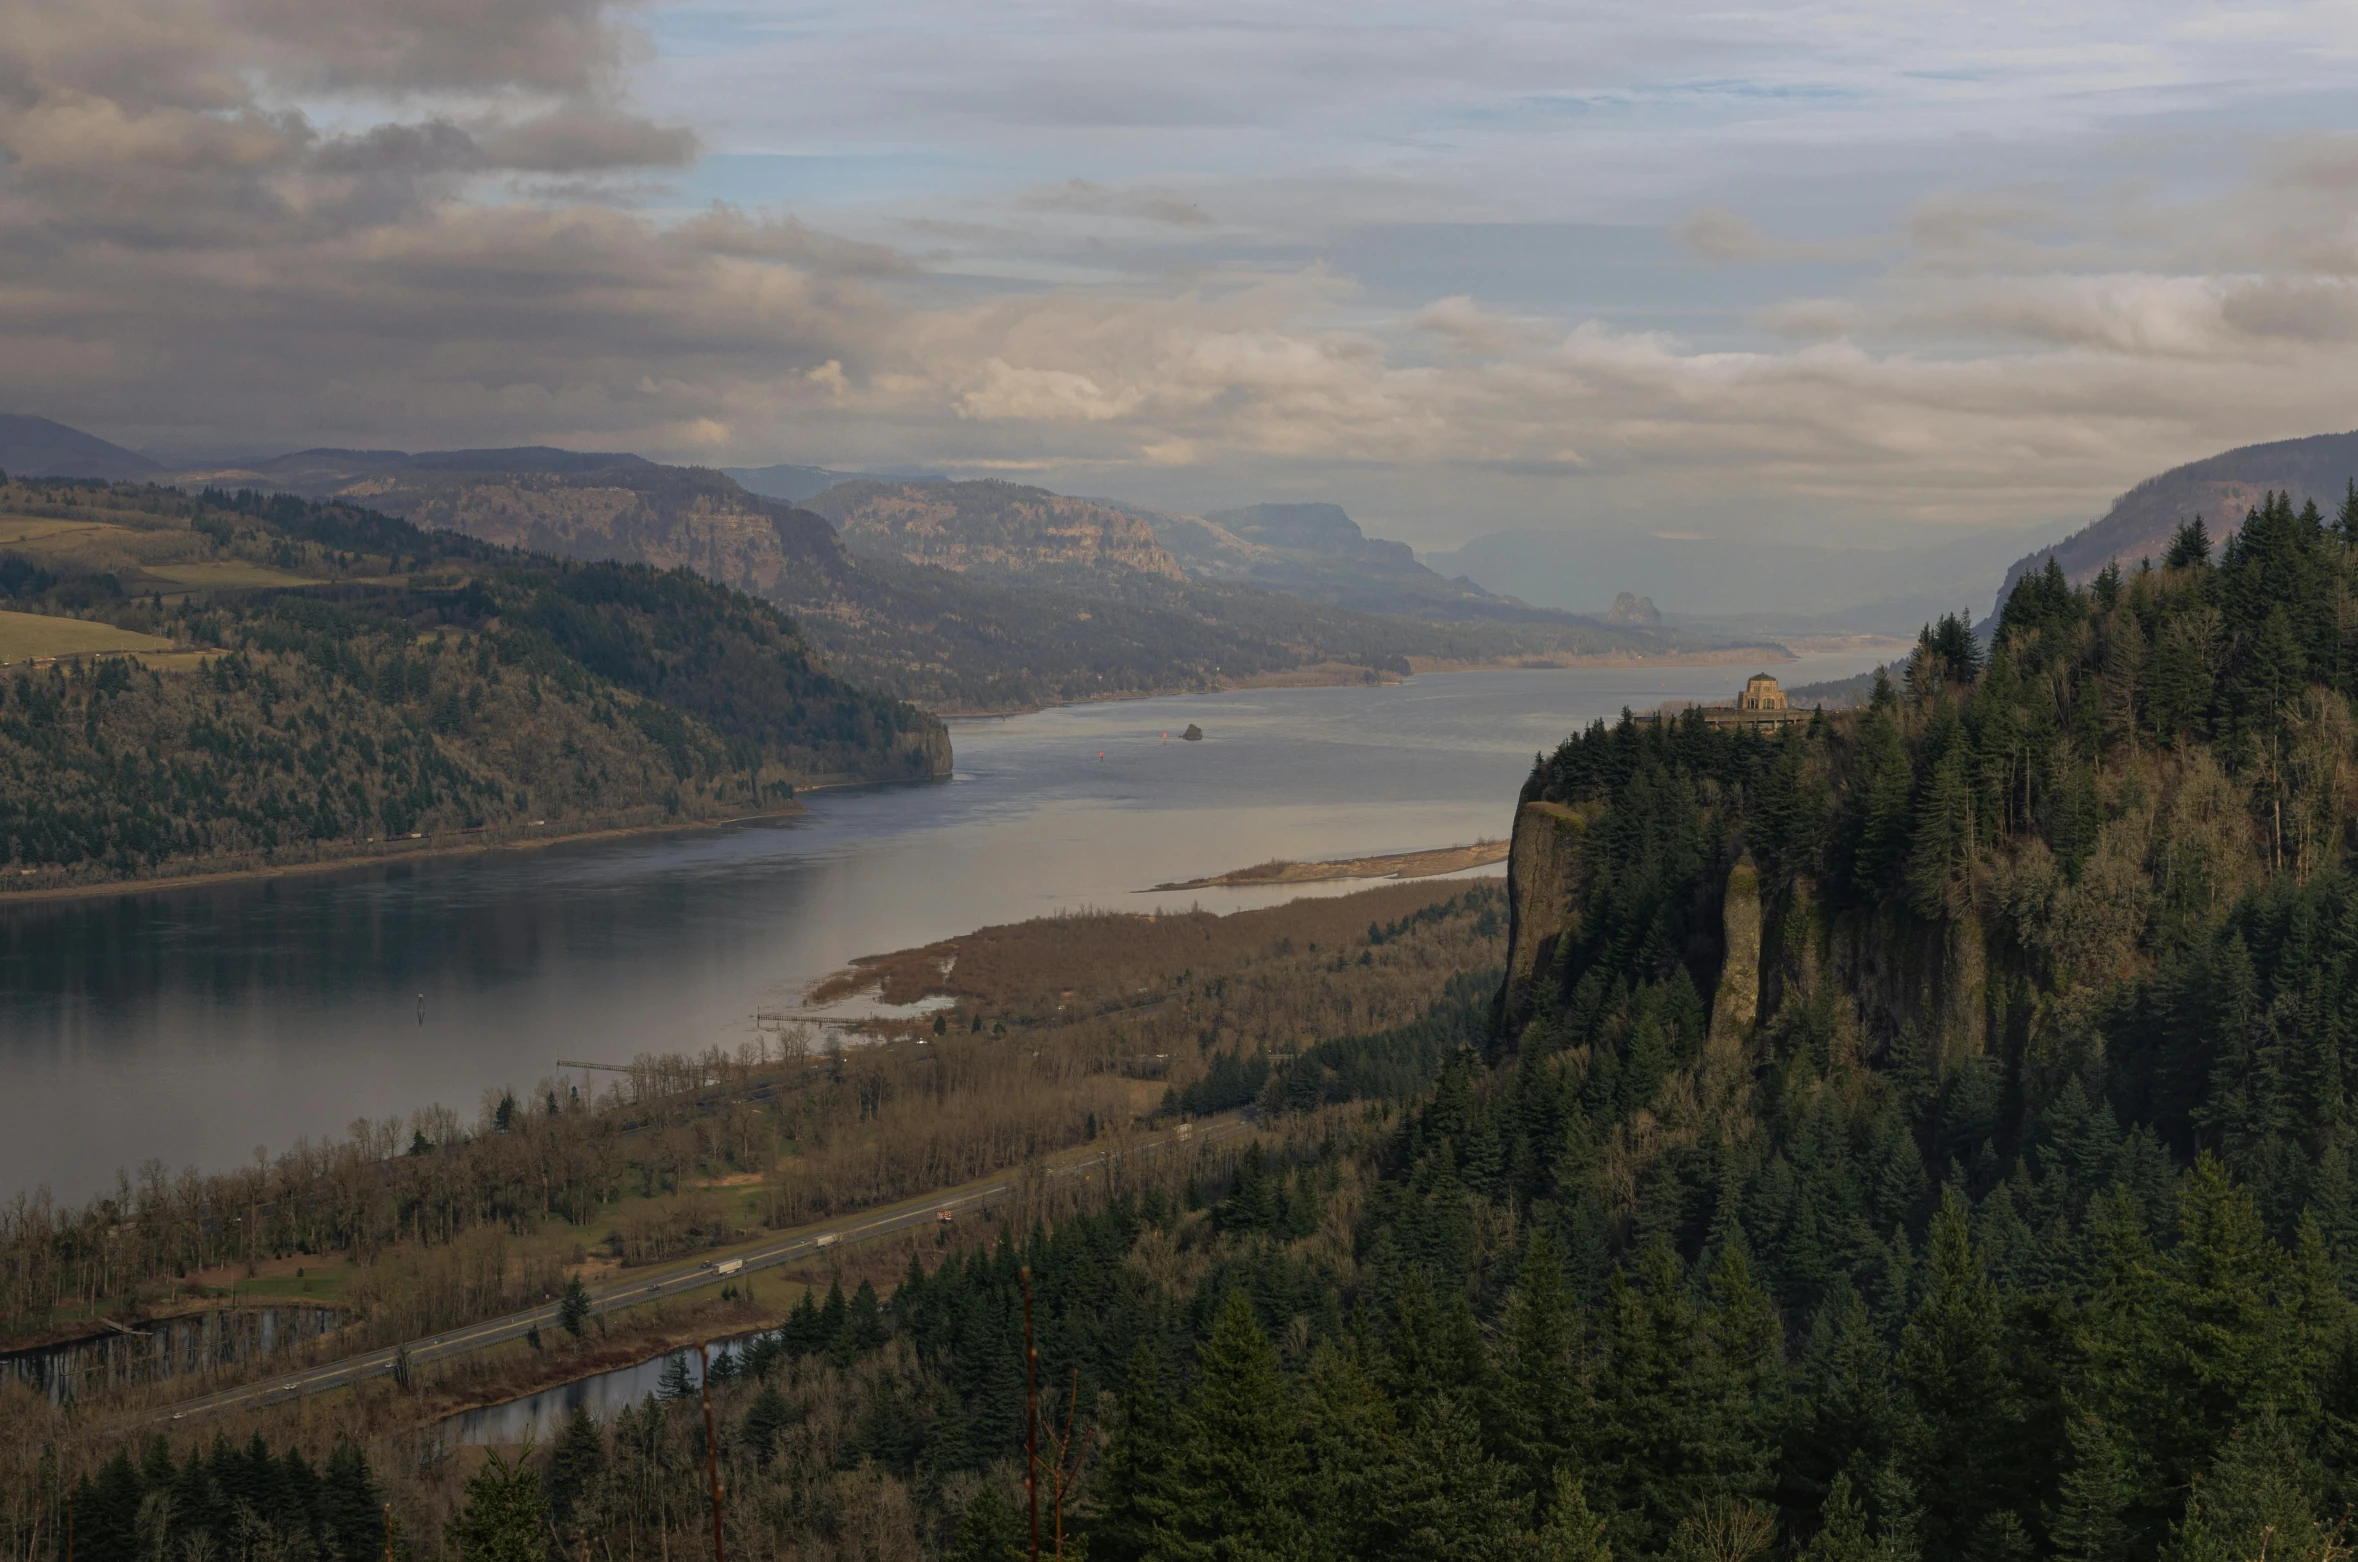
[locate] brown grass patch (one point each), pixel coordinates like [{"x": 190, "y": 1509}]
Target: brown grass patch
[{"x": 1096, "y": 960}]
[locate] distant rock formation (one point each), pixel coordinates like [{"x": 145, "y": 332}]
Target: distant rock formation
[
  {"x": 1193, "y": 734},
  {"x": 999, "y": 527},
  {"x": 1630, "y": 608}
]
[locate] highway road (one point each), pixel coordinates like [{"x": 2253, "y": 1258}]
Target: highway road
[{"x": 655, "y": 1285}]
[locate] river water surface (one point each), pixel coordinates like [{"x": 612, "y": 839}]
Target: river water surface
[{"x": 193, "y": 1025}]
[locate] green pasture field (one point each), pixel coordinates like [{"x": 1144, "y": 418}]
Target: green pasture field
[{"x": 24, "y": 636}]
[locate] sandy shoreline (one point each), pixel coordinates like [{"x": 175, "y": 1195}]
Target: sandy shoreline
[{"x": 1394, "y": 865}]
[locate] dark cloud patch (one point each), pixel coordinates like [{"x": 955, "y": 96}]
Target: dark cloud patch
[
  {"x": 584, "y": 140},
  {"x": 435, "y": 147}
]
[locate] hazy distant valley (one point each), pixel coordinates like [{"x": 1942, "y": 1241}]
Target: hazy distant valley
[{"x": 964, "y": 597}]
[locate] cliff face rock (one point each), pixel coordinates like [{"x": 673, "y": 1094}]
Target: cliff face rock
[
  {"x": 1543, "y": 872},
  {"x": 995, "y": 526},
  {"x": 571, "y": 504},
  {"x": 720, "y": 536},
  {"x": 925, "y": 751},
  {"x": 1735, "y": 1008},
  {"x": 1891, "y": 975}
]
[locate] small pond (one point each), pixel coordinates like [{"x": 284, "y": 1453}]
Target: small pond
[{"x": 540, "y": 1417}]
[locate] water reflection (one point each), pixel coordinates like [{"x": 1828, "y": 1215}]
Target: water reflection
[
  {"x": 540, "y": 1417},
  {"x": 165, "y": 1348}
]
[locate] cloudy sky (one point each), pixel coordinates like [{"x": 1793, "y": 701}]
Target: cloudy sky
[{"x": 1852, "y": 271}]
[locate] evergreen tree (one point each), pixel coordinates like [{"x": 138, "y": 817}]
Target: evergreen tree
[
  {"x": 835, "y": 1335},
  {"x": 805, "y": 1333},
  {"x": 1539, "y": 1393},
  {"x": 2089, "y": 1523},
  {"x": 574, "y": 1465},
  {"x": 2254, "y": 1503},
  {"x": 1842, "y": 1529},
  {"x": 768, "y": 1417},
  {"x": 2190, "y": 546},
  {"x": 1570, "y": 1532},
  {"x": 1121, "y": 1529},
  {"x": 865, "y": 1321},
  {"x": 1941, "y": 846},
  {"x": 503, "y": 1518},
  {"x": 351, "y": 1506},
  {"x": 573, "y": 1309},
  {"x": 1232, "y": 1489},
  {"x": 1448, "y": 1501},
  {"x": 1952, "y": 1362},
  {"x": 989, "y": 1529}
]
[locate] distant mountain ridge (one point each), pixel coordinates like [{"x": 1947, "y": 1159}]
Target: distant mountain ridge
[
  {"x": 1317, "y": 551},
  {"x": 2221, "y": 489},
  {"x": 1052, "y": 598},
  {"x": 1312, "y": 551},
  {"x": 40, "y": 447}
]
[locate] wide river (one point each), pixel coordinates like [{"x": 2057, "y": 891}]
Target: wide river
[{"x": 194, "y": 1025}]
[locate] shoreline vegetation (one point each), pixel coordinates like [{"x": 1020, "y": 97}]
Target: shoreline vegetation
[
  {"x": 428, "y": 848},
  {"x": 1426, "y": 864}
]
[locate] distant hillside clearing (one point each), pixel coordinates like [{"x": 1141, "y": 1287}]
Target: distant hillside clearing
[{"x": 25, "y": 637}]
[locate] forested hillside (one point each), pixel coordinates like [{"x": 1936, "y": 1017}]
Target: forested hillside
[{"x": 343, "y": 679}]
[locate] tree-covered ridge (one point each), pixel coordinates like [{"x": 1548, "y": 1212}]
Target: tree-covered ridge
[
  {"x": 383, "y": 681},
  {"x": 1990, "y": 965}
]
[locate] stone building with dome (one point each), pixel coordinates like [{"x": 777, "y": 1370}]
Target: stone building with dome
[{"x": 1761, "y": 703}]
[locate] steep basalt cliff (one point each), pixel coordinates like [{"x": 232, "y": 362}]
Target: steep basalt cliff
[
  {"x": 1543, "y": 872},
  {"x": 1735, "y": 1008}
]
